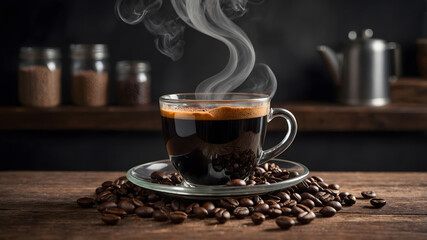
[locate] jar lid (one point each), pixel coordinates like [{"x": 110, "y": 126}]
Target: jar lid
[
  {"x": 134, "y": 66},
  {"x": 39, "y": 53},
  {"x": 95, "y": 51}
]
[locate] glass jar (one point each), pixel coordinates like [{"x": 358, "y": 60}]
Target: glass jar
[
  {"x": 39, "y": 77},
  {"x": 133, "y": 82},
  {"x": 89, "y": 74}
]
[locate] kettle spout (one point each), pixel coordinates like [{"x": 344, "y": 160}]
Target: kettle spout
[{"x": 333, "y": 61}]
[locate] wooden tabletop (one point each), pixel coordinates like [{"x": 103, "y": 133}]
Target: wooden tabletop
[{"x": 42, "y": 205}]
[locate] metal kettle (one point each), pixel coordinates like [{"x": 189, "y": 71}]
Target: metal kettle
[{"x": 363, "y": 71}]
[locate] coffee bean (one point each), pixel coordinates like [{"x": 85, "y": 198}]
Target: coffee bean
[
  {"x": 107, "y": 184},
  {"x": 158, "y": 204},
  {"x": 246, "y": 202},
  {"x": 262, "y": 207},
  {"x": 328, "y": 211},
  {"x": 303, "y": 207},
  {"x": 160, "y": 215},
  {"x": 241, "y": 212},
  {"x": 296, "y": 210},
  {"x": 116, "y": 211},
  {"x": 285, "y": 222},
  {"x": 137, "y": 202},
  {"x": 306, "y": 217},
  {"x": 144, "y": 212},
  {"x": 283, "y": 196},
  {"x": 349, "y": 200},
  {"x": 334, "y": 186},
  {"x": 317, "y": 178},
  {"x": 296, "y": 197},
  {"x": 236, "y": 182},
  {"x": 308, "y": 202},
  {"x": 85, "y": 202},
  {"x": 105, "y": 205},
  {"x": 110, "y": 219},
  {"x": 343, "y": 194},
  {"x": 324, "y": 196},
  {"x": 257, "y": 200},
  {"x": 229, "y": 203},
  {"x": 378, "y": 202},
  {"x": 313, "y": 189},
  {"x": 257, "y": 218},
  {"x": 120, "y": 181},
  {"x": 290, "y": 203},
  {"x": 274, "y": 212},
  {"x": 152, "y": 197},
  {"x": 156, "y": 175},
  {"x": 200, "y": 212},
  {"x": 99, "y": 190},
  {"x": 323, "y": 185},
  {"x": 177, "y": 205},
  {"x": 222, "y": 216},
  {"x": 286, "y": 211},
  {"x": 250, "y": 183},
  {"x": 127, "y": 206},
  {"x": 105, "y": 196},
  {"x": 335, "y": 204},
  {"x": 293, "y": 174},
  {"x": 189, "y": 208},
  {"x": 177, "y": 217},
  {"x": 369, "y": 194}
]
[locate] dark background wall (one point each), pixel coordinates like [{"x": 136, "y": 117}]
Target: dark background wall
[{"x": 285, "y": 35}]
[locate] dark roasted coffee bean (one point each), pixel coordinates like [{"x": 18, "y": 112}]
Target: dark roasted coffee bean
[
  {"x": 178, "y": 205},
  {"x": 116, "y": 211},
  {"x": 229, "y": 203},
  {"x": 303, "y": 207},
  {"x": 257, "y": 200},
  {"x": 105, "y": 196},
  {"x": 274, "y": 212},
  {"x": 246, "y": 202},
  {"x": 286, "y": 211},
  {"x": 349, "y": 200},
  {"x": 200, "y": 212},
  {"x": 156, "y": 175},
  {"x": 369, "y": 194},
  {"x": 283, "y": 196},
  {"x": 328, "y": 211},
  {"x": 177, "y": 217},
  {"x": 285, "y": 222},
  {"x": 152, "y": 197},
  {"x": 127, "y": 206},
  {"x": 303, "y": 186},
  {"x": 262, "y": 207},
  {"x": 378, "y": 202},
  {"x": 250, "y": 183},
  {"x": 189, "y": 208},
  {"x": 343, "y": 194},
  {"x": 259, "y": 171},
  {"x": 209, "y": 206},
  {"x": 308, "y": 202},
  {"x": 120, "y": 181},
  {"x": 290, "y": 203},
  {"x": 257, "y": 218},
  {"x": 160, "y": 215},
  {"x": 236, "y": 182},
  {"x": 323, "y": 184},
  {"x": 334, "y": 186},
  {"x": 137, "y": 202},
  {"x": 293, "y": 174},
  {"x": 313, "y": 189},
  {"x": 85, "y": 202},
  {"x": 241, "y": 212},
  {"x": 295, "y": 196},
  {"x": 144, "y": 212},
  {"x": 306, "y": 217},
  {"x": 296, "y": 210},
  {"x": 222, "y": 216},
  {"x": 105, "y": 205},
  {"x": 324, "y": 196},
  {"x": 107, "y": 184},
  {"x": 159, "y": 204},
  {"x": 335, "y": 204},
  {"x": 110, "y": 219},
  {"x": 317, "y": 179},
  {"x": 99, "y": 190}
]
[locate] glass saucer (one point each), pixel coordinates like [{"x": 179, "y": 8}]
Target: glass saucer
[{"x": 140, "y": 176}]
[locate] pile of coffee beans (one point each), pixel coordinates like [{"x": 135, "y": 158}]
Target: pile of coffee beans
[{"x": 301, "y": 203}]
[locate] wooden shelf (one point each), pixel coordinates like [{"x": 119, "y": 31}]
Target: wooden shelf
[{"x": 310, "y": 117}]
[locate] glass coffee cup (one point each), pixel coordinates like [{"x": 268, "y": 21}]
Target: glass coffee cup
[{"x": 210, "y": 142}]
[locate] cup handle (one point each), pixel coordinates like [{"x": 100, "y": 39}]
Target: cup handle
[{"x": 287, "y": 140}]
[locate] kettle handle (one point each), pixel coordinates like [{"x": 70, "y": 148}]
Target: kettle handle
[{"x": 395, "y": 47}]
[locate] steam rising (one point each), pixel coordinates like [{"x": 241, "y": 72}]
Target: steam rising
[{"x": 213, "y": 18}]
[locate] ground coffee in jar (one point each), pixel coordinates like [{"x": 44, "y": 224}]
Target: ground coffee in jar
[
  {"x": 39, "y": 77},
  {"x": 89, "y": 69},
  {"x": 133, "y": 82}
]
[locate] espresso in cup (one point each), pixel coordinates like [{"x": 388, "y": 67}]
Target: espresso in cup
[{"x": 210, "y": 142}]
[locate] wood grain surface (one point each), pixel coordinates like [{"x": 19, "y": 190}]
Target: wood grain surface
[
  {"x": 42, "y": 205},
  {"x": 310, "y": 117}
]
